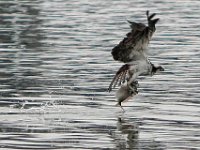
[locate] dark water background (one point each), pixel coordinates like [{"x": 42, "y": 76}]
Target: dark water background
[{"x": 55, "y": 68}]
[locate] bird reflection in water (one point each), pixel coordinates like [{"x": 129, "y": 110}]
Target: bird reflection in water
[
  {"x": 126, "y": 136},
  {"x": 131, "y": 130}
]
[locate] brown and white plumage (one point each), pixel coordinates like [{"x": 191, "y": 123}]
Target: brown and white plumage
[
  {"x": 132, "y": 51},
  {"x": 135, "y": 43}
]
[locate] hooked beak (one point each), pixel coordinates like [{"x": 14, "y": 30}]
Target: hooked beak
[{"x": 156, "y": 69}]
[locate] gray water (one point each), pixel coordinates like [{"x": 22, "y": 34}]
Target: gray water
[{"x": 56, "y": 65}]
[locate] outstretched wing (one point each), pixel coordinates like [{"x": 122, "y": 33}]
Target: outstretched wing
[
  {"x": 120, "y": 77},
  {"x": 135, "y": 41}
]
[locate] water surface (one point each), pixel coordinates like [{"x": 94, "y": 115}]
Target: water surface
[{"x": 56, "y": 65}]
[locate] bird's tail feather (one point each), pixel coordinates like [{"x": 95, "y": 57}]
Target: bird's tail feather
[{"x": 151, "y": 22}]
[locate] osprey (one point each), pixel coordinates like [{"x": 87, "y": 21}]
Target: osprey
[{"x": 132, "y": 51}]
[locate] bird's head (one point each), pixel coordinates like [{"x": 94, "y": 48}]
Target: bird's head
[{"x": 156, "y": 69}]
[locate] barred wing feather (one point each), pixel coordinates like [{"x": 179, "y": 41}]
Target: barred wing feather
[{"x": 136, "y": 41}]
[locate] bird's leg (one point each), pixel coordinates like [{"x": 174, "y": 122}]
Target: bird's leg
[
  {"x": 130, "y": 78},
  {"x": 132, "y": 83},
  {"x": 122, "y": 108},
  {"x": 120, "y": 105},
  {"x": 133, "y": 87}
]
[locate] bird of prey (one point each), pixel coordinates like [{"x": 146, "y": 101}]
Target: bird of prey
[{"x": 132, "y": 50}]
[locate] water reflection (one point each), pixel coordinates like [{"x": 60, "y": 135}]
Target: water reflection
[
  {"x": 55, "y": 67},
  {"x": 21, "y": 38},
  {"x": 127, "y": 136}
]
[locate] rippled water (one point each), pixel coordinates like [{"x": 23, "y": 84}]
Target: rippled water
[{"x": 55, "y": 68}]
